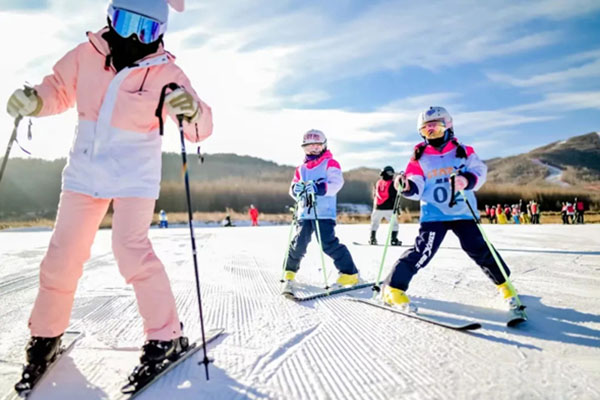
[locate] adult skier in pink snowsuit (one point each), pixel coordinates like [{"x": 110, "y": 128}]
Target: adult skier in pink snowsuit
[{"x": 115, "y": 80}]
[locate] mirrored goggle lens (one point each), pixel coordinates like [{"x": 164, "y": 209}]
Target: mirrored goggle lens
[
  {"x": 126, "y": 23},
  {"x": 433, "y": 129}
]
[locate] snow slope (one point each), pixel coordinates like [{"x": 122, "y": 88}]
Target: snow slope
[
  {"x": 330, "y": 348},
  {"x": 554, "y": 173}
]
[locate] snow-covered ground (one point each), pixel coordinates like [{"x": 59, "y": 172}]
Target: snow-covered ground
[{"x": 330, "y": 348}]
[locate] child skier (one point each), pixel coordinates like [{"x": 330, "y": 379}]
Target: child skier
[
  {"x": 384, "y": 199},
  {"x": 115, "y": 79},
  {"x": 320, "y": 175},
  {"x": 428, "y": 178}
]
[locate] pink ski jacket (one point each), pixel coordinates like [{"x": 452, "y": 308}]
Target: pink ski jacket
[{"x": 117, "y": 147}]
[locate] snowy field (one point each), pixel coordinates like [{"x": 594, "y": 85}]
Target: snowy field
[{"x": 329, "y": 348}]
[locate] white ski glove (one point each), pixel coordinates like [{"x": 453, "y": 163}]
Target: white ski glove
[
  {"x": 460, "y": 183},
  {"x": 298, "y": 188},
  {"x": 401, "y": 182},
  {"x": 20, "y": 103},
  {"x": 180, "y": 102}
]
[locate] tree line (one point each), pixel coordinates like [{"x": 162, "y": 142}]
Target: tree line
[{"x": 31, "y": 187}]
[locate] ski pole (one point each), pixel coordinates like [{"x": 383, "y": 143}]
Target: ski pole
[
  {"x": 376, "y": 287},
  {"x": 287, "y": 249},
  {"x": 314, "y": 202},
  {"x": 12, "y": 139},
  {"x": 158, "y": 113},
  {"x": 205, "y": 361},
  {"x": 493, "y": 251}
]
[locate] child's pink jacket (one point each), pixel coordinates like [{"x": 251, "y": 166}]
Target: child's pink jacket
[{"x": 117, "y": 147}]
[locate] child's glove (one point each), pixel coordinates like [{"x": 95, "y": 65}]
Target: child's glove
[
  {"x": 318, "y": 188},
  {"x": 460, "y": 183},
  {"x": 401, "y": 182},
  {"x": 24, "y": 103},
  {"x": 180, "y": 102},
  {"x": 298, "y": 188},
  {"x": 311, "y": 188}
]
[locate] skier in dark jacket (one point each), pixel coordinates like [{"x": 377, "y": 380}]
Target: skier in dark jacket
[{"x": 384, "y": 199}]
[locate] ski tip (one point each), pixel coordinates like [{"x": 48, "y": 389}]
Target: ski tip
[
  {"x": 289, "y": 296},
  {"x": 471, "y": 327},
  {"x": 515, "y": 322}
]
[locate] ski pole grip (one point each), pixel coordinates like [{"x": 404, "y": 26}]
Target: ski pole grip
[
  {"x": 452, "y": 190},
  {"x": 161, "y": 102}
]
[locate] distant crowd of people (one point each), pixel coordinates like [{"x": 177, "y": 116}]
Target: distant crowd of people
[
  {"x": 517, "y": 213},
  {"x": 572, "y": 213}
]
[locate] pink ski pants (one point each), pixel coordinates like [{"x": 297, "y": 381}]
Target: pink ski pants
[{"x": 77, "y": 221}]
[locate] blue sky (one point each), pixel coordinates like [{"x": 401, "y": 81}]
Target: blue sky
[{"x": 514, "y": 75}]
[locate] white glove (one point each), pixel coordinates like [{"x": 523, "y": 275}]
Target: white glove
[
  {"x": 311, "y": 188},
  {"x": 460, "y": 183},
  {"x": 401, "y": 182},
  {"x": 180, "y": 102},
  {"x": 298, "y": 188},
  {"x": 21, "y": 104}
]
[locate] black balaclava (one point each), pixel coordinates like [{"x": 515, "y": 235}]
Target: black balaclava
[
  {"x": 126, "y": 51},
  {"x": 440, "y": 142}
]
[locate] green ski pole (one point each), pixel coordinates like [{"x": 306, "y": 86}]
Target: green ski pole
[
  {"x": 314, "y": 204},
  {"x": 287, "y": 249},
  {"x": 493, "y": 251},
  {"x": 376, "y": 287}
]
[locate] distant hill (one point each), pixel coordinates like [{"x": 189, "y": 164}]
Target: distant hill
[{"x": 574, "y": 162}]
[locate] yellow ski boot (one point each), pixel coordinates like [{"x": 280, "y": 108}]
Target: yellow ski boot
[
  {"x": 287, "y": 287},
  {"x": 509, "y": 295},
  {"x": 397, "y": 298},
  {"x": 347, "y": 280}
]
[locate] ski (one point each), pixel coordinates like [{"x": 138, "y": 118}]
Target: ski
[
  {"x": 326, "y": 293},
  {"x": 30, "y": 379},
  {"x": 194, "y": 347},
  {"x": 378, "y": 244},
  {"x": 516, "y": 316},
  {"x": 465, "y": 326}
]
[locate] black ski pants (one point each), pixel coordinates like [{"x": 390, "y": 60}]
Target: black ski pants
[
  {"x": 431, "y": 235},
  {"x": 331, "y": 246}
]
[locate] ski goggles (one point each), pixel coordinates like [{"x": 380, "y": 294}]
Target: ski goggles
[
  {"x": 127, "y": 23},
  {"x": 433, "y": 129}
]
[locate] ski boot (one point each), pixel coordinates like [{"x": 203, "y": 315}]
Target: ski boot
[
  {"x": 516, "y": 310},
  {"x": 156, "y": 356},
  {"x": 373, "y": 240},
  {"x": 509, "y": 295},
  {"x": 398, "y": 299},
  {"x": 287, "y": 288},
  {"x": 394, "y": 241},
  {"x": 41, "y": 352},
  {"x": 347, "y": 280}
]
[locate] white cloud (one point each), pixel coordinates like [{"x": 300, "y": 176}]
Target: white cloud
[{"x": 589, "y": 70}]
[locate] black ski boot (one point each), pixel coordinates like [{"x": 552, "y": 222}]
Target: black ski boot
[
  {"x": 156, "y": 356},
  {"x": 41, "y": 352},
  {"x": 373, "y": 240},
  {"x": 157, "y": 351},
  {"x": 394, "y": 241}
]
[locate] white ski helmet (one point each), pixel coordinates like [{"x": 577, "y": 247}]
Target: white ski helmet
[
  {"x": 314, "y": 136},
  {"x": 436, "y": 114},
  {"x": 158, "y": 10}
]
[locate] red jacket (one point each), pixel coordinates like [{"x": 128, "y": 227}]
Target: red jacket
[{"x": 253, "y": 213}]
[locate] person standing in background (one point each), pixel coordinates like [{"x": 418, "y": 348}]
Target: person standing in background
[
  {"x": 579, "y": 210},
  {"x": 253, "y": 212},
  {"x": 384, "y": 200},
  {"x": 164, "y": 220}
]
